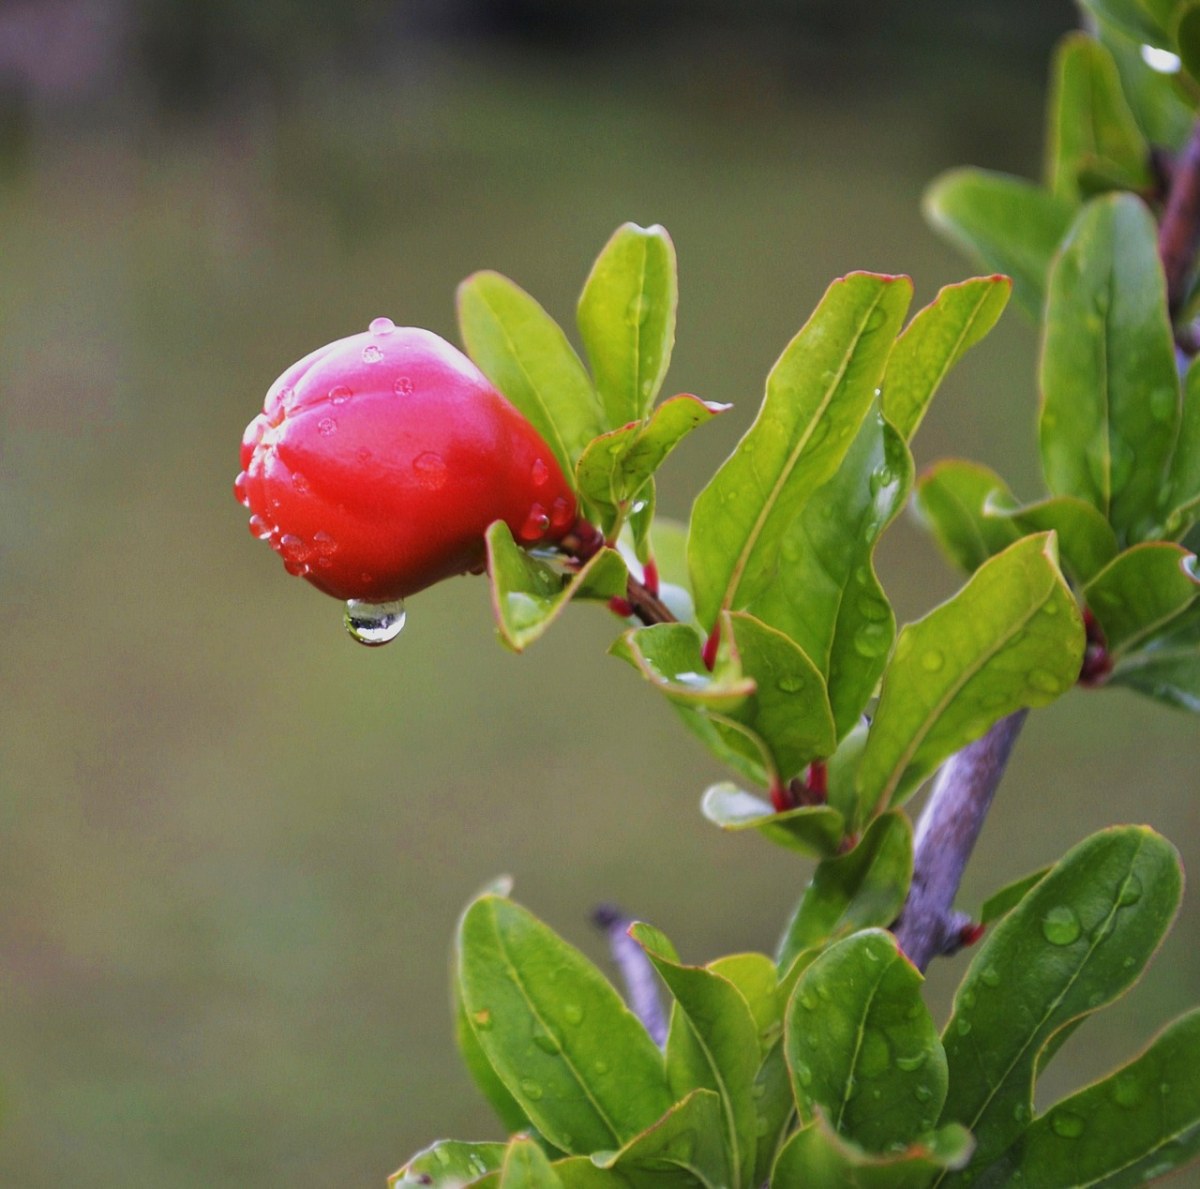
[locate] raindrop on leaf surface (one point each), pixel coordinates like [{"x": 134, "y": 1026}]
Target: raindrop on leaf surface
[{"x": 1060, "y": 925}]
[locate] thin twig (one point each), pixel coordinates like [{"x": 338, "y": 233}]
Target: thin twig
[
  {"x": 945, "y": 836},
  {"x": 641, "y": 982}
]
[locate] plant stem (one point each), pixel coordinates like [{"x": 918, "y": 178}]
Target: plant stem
[{"x": 945, "y": 835}]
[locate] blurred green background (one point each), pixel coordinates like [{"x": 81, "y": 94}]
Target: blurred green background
[{"x": 233, "y": 844}]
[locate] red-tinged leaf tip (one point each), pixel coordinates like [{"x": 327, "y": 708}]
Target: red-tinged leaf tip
[
  {"x": 620, "y": 606},
  {"x": 781, "y": 797},
  {"x": 709, "y": 653},
  {"x": 650, "y": 576},
  {"x": 971, "y": 933}
]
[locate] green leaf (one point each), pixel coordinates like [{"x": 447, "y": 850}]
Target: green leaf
[
  {"x": 818, "y": 393},
  {"x": 1086, "y": 541},
  {"x": 682, "y": 1149},
  {"x": 1090, "y": 121},
  {"x": 1157, "y": 100},
  {"x": 934, "y": 341},
  {"x": 669, "y": 656},
  {"x": 816, "y": 1157},
  {"x": 1110, "y": 394},
  {"x": 862, "y": 1046},
  {"x": 953, "y": 498},
  {"x": 826, "y": 595},
  {"x": 1009, "y": 896},
  {"x": 1074, "y": 943},
  {"x": 627, "y": 319},
  {"x": 641, "y": 519},
  {"x": 811, "y": 830},
  {"x": 1183, "y": 501},
  {"x": 1136, "y": 1125},
  {"x": 755, "y": 976},
  {"x": 1187, "y": 38},
  {"x": 1141, "y": 591},
  {"x": 860, "y": 890},
  {"x": 726, "y": 1048},
  {"x": 1007, "y": 224},
  {"x": 526, "y": 1166},
  {"x": 578, "y": 1172},
  {"x": 1134, "y": 17},
  {"x": 1011, "y": 637},
  {"x": 570, "y": 1052},
  {"x": 480, "y": 1068},
  {"x": 614, "y": 467},
  {"x": 525, "y": 354},
  {"x": 449, "y": 1164},
  {"x": 528, "y": 595},
  {"x": 1167, "y": 668},
  {"x": 841, "y": 776}
]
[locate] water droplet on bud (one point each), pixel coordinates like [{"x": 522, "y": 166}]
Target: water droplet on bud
[
  {"x": 260, "y": 528},
  {"x": 403, "y": 386},
  {"x": 326, "y": 426},
  {"x": 560, "y": 512},
  {"x": 431, "y": 470},
  {"x": 239, "y": 490},
  {"x": 374, "y": 623},
  {"x": 371, "y": 354},
  {"x": 539, "y": 473},
  {"x": 536, "y": 524},
  {"x": 340, "y": 395},
  {"x": 382, "y": 326}
]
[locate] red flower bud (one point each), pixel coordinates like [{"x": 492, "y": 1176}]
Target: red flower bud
[{"x": 379, "y": 461}]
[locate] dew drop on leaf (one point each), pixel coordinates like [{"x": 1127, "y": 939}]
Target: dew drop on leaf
[
  {"x": 531, "y": 1089},
  {"x": 547, "y": 1043},
  {"x": 1060, "y": 925},
  {"x": 789, "y": 683},
  {"x": 909, "y": 1064},
  {"x": 990, "y": 977},
  {"x": 374, "y": 623},
  {"x": 572, "y": 1013},
  {"x": 1068, "y": 1125},
  {"x": 932, "y": 661},
  {"x": 1044, "y": 681},
  {"x": 1131, "y": 891}
]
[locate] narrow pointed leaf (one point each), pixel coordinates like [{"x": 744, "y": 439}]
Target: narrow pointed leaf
[
  {"x": 448, "y": 1164},
  {"x": 1137, "y": 1124},
  {"x": 1184, "y": 471},
  {"x": 826, "y": 595},
  {"x": 528, "y": 994},
  {"x": 627, "y": 319},
  {"x": 1009, "y": 896},
  {"x": 1007, "y": 224},
  {"x": 1167, "y": 668},
  {"x": 818, "y": 393},
  {"x": 528, "y": 595},
  {"x": 1141, "y": 591},
  {"x": 861, "y": 1045},
  {"x": 860, "y": 890},
  {"x": 811, "y": 830},
  {"x": 816, "y": 1157},
  {"x": 727, "y": 1039},
  {"x": 1090, "y": 121},
  {"x": 934, "y": 341},
  {"x": 526, "y": 1166},
  {"x": 1086, "y": 541},
  {"x": 615, "y": 466},
  {"x": 952, "y": 499},
  {"x": 1011, "y": 637},
  {"x": 1077, "y": 941},
  {"x": 682, "y": 1149},
  {"x": 1110, "y": 394},
  {"x": 524, "y": 352}
]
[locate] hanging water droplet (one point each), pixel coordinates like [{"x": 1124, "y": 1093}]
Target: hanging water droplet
[
  {"x": 539, "y": 473},
  {"x": 403, "y": 386},
  {"x": 340, "y": 394},
  {"x": 371, "y": 354},
  {"x": 374, "y": 623},
  {"x": 326, "y": 426},
  {"x": 381, "y": 326},
  {"x": 1060, "y": 925}
]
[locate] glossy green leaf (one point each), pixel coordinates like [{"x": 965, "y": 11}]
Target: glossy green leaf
[
  {"x": 952, "y": 499},
  {"x": 756, "y": 977},
  {"x": 1074, "y": 943},
  {"x": 641, "y": 519},
  {"x": 1086, "y": 541},
  {"x": 1009, "y": 896},
  {"x": 1167, "y": 668},
  {"x": 1134, "y": 17},
  {"x": 841, "y": 777},
  {"x": 667, "y": 544},
  {"x": 1090, "y": 121},
  {"x": 811, "y": 830},
  {"x": 727, "y": 1047},
  {"x": 614, "y": 467},
  {"x": 448, "y": 1164},
  {"x": 817, "y": 395},
  {"x": 1187, "y": 38},
  {"x": 525, "y": 354},
  {"x": 1136, "y": 1125},
  {"x": 1156, "y": 99},
  {"x": 1183, "y": 501},
  {"x": 1007, "y": 224},
  {"x": 528, "y": 595},
  {"x": 526, "y": 1166},
  {"x": 578, "y": 1172},
  {"x": 775, "y": 1112},
  {"x": 826, "y": 595},
  {"x": 934, "y": 341},
  {"x": 1110, "y": 394},
  {"x": 1011, "y": 637},
  {"x": 627, "y": 319},
  {"x": 1141, "y": 591},
  {"x": 507, "y": 1108},
  {"x": 861, "y": 1045},
  {"x": 683, "y": 1149},
  {"x": 669, "y": 656},
  {"x": 863, "y": 889},
  {"x": 816, "y": 1157},
  {"x": 570, "y": 1052}
]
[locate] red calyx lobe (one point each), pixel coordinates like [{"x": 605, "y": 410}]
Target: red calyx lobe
[{"x": 379, "y": 461}]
